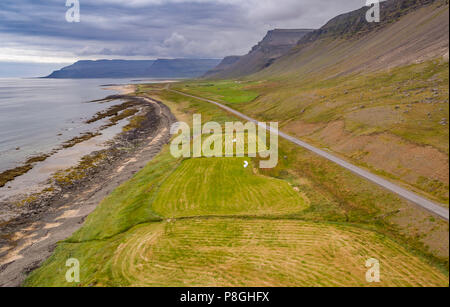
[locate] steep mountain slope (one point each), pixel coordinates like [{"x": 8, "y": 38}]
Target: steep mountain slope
[
  {"x": 224, "y": 65},
  {"x": 375, "y": 94},
  {"x": 354, "y": 23},
  {"x": 275, "y": 44},
  {"x": 161, "y": 68},
  {"x": 410, "y": 31}
]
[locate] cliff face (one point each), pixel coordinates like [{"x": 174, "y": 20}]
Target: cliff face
[
  {"x": 162, "y": 68},
  {"x": 278, "y": 41},
  {"x": 354, "y": 24},
  {"x": 274, "y": 45}
]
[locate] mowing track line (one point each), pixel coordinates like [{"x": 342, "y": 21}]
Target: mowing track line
[{"x": 408, "y": 195}]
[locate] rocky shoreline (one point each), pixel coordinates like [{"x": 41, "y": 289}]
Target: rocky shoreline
[{"x": 53, "y": 215}]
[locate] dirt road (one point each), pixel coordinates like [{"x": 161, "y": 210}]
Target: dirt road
[{"x": 408, "y": 195}]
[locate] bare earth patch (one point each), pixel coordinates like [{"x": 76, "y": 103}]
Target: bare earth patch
[{"x": 381, "y": 151}]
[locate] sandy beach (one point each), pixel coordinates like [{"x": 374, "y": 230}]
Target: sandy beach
[{"x": 128, "y": 89}]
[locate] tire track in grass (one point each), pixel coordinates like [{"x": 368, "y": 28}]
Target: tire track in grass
[
  {"x": 420, "y": 201},
  {"x": 230, "y": 252}
]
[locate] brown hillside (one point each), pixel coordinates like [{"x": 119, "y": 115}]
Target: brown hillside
[
  {"x": 409, "y": 32},
  {"x": 226, "y": 63}
]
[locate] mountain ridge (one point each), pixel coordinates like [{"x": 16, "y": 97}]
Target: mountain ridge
[
  {"x": 410, "y": 31},
  {"x": 275, "y": 44},
  {"x": 160, "y": 68},
  {"x": 225, "y": 64}
]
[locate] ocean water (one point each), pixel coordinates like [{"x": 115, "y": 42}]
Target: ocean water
[{"x": 38, "y": 115}]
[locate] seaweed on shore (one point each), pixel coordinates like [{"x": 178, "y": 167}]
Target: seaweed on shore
[
  {"x": 79, "y": 139},
  {"x": 37, "y": 159},
  {"x": 112, "y": 111},
  {"x": 115, "y": 114},
  {"x": 125, "y": 114},
  {"x": 108, "y": 99},
  {"x": 134, "y": 123},
  {"x": 69, "y": 176},
  {"x": 11, "y": 174}
]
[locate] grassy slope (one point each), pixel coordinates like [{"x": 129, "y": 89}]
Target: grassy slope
[
  {"x": 230, "y": 92},
  {"x": 129, "y": 204},
  {"x": 239, "y": 252},
  {"x": 396, "y": 113},
  {"x": 120, "y": 245},
  {"x": 128, "y": 240},
  {"x": 418, "y": 36},
  {"x": 222, "y": 186},
  {"x": 358, "y": 95},
  {"x": 348, "y": 197}
]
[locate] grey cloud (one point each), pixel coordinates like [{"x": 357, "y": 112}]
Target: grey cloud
[{"x": 157, "y": 28}]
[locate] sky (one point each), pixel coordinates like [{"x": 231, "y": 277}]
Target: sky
[{"x": 36, "y": 32}]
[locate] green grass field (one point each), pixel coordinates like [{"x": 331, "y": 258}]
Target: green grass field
[
  {"x": 417, "y": 85},
  {"x": 400, "y": 113},
  {"x": 236, "y": 252},
  {"x": 212, "y": 222},
  {"x": 222, "y": 186},
  {"x": 230, "y": 91}
]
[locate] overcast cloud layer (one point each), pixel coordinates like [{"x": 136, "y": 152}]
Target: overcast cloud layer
[{"x": 36, "y": 30}]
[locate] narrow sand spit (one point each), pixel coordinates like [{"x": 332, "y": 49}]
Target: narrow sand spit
[
  {"x": 123, "y": 89},
  {"x": 32, "y": 239}
]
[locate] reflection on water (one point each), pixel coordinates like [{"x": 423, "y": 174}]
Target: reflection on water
[
  {"x": 38, "y": 115},
  {"x": 35, "y": 180}
]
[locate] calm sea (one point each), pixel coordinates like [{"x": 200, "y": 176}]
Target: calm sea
[{"x": 38, "y": 115}]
